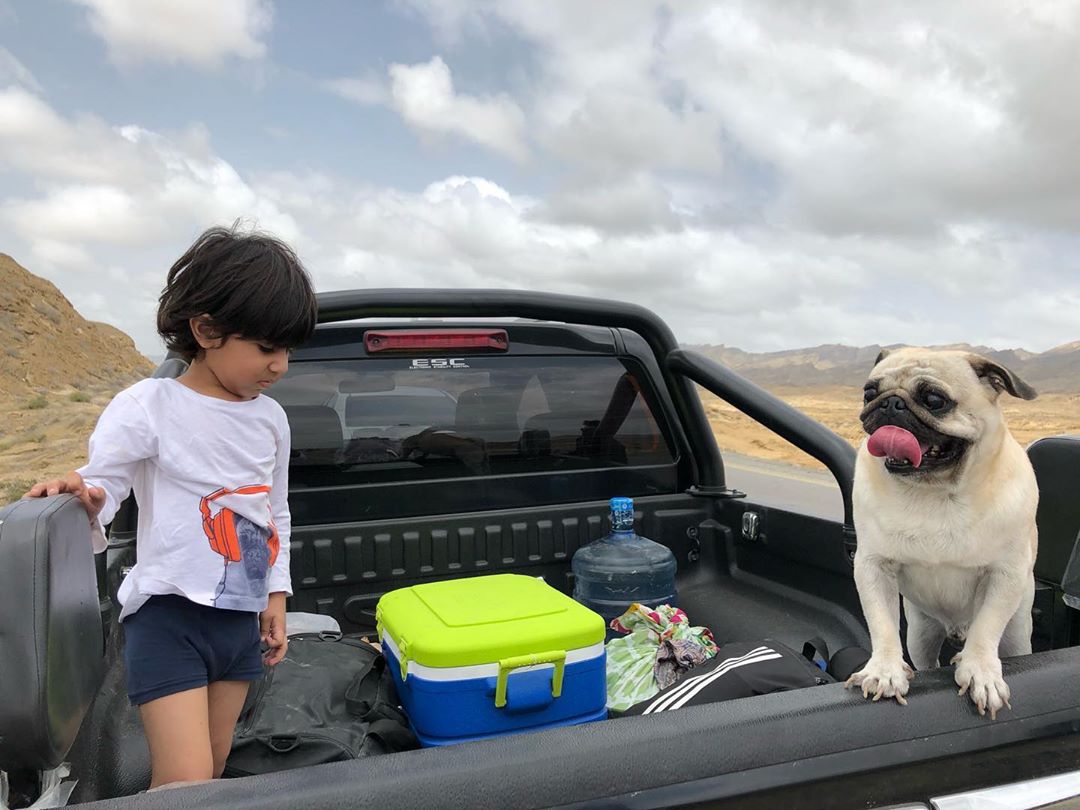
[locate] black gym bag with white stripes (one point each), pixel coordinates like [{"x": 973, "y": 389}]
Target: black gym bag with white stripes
[{"x": 739, "y": 669}]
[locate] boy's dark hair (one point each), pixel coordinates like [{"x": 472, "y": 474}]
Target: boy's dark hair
[{"x": 250, "y": 284}]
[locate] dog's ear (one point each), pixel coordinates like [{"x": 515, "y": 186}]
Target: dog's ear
[
  {"x": 881, "y": 356},
  {"x": 1000, "y": 378}
]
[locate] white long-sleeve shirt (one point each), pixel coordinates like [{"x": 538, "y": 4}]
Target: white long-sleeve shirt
[{"x": 211, "y": 480}]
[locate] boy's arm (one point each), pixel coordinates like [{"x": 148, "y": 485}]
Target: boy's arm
[
  {"x": 272, "y": 620},
  {"x": 120, "y": 440},
  {"x": 280, "y": 579},
  {"x": 272, "y": 628}
]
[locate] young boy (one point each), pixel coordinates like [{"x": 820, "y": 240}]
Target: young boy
[{"x": 208, "y": 459}]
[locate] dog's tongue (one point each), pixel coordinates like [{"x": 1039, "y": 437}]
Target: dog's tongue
[{"x": 894, "y": 442}]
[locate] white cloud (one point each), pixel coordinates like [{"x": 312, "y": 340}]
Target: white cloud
[
  {"x": 759, "y": 287},
  {"x": 762, "y": 174},
  {"x": 83, "y": 214},
  {"x": 424, "y": 96},
  {"x": 198, "y": 32},
  {"x": 873, "y": 121},
  {"x": 37, "y": 141},
  {"x": 602, "y": 99},
  {"x": 367, "y": 89},
  {"x": 637, "y": 203},
  {"x": 755, "y": 286},
  {"x": 106, "y": 195},
  {"x": 629, "y": 130},
  {"x": 857, "y": 118},
  {"x": 117, "y": 185},
  {"x": 52, "y": 253}
]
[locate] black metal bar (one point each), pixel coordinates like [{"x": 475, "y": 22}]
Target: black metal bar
[
  {"x": 790, "y": 423},
  {"x": 451, "y": 303}
]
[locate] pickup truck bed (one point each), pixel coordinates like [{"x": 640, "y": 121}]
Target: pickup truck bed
[
  {"x": 746, "y": 570},
  {"x": 793, "y": 749}
]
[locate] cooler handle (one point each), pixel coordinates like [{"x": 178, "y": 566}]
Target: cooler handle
[{"x": 506, "y": 665}]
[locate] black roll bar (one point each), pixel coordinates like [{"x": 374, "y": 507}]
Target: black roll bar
[{"x": 769, "y": 410}]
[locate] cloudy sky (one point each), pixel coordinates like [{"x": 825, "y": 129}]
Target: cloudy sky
[{"x": 766, "y": 175}]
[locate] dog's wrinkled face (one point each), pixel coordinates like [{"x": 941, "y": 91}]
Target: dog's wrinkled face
[{"x": 925, "y": 410}]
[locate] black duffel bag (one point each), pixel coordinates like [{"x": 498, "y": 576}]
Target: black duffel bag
[
  {"x": 739, "y": 669},
  {"x": 330, "y": 699}
]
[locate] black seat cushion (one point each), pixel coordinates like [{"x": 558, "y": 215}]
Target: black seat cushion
[
  {"x": 51, "y": 645},
  {"x": 1056, "y": 461}
]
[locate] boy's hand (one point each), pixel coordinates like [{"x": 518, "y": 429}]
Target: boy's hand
[
  {"x": 93, "y": 498},
  {"x": 272, "y": 628}
]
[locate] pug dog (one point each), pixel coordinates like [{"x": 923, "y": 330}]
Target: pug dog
[{"x": 944, "y": 506}]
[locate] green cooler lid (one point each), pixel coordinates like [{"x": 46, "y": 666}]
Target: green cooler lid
[{"x": 480, "y": 620}]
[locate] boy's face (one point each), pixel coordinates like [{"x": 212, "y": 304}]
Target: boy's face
[{"x": 245, "y": 368}]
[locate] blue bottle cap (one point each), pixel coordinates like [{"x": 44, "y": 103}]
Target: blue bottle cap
[{"x": 622, "y": 514}]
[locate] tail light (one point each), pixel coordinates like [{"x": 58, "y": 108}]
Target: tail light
[{"x": 401, "y": 340}]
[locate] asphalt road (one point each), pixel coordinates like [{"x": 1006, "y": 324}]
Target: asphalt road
[{"x": 799, "y": 489}]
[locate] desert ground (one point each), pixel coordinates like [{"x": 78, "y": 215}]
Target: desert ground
[{"x": 46, "y": 435}]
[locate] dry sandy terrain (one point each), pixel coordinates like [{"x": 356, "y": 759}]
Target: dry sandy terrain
[
  {"x": 45, "y": 436},
  {"x": 49, "y": 439}
]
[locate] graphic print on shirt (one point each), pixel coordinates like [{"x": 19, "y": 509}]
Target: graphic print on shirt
[{"x": 249, "y": 549}]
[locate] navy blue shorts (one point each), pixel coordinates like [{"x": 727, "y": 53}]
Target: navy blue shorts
[{"x": 172, "y": 644}]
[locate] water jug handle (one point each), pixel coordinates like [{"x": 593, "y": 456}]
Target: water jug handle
[{"x": 507, "y": 665}]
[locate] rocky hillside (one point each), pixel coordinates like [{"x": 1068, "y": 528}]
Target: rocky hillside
[
  {"x": 45, "y": 345},
  {"x": 1056, "y": 370}
]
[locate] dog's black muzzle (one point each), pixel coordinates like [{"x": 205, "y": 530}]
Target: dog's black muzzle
[
  {"x": 894, "y": 410},
  {"x": 942, "y": 450}
]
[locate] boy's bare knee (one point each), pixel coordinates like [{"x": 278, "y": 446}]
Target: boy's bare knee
[
  {"x": 176, "y": 774},
  {"x": 219, "y": 766}
]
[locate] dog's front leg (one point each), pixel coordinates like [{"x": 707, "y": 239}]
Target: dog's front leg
[
  {"x": 978, "y": 668},
  {"x": 925, "y": 635},
  {"x": 886, "y": 674}
]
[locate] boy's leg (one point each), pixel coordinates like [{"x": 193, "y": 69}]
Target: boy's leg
[
  {"x": 226, "y": 699},
  {"x": 178, "y": 732}
]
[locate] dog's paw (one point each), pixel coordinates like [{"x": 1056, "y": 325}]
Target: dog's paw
[
  {"x": 883, "y": 678},
  {"x": 980, "y": 677}
]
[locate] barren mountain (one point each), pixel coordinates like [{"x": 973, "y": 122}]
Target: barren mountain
[
  {"x": 1055, "y": 370},
  {"x": 57, "y": 373},
  {"x": 45, "y": 345}
]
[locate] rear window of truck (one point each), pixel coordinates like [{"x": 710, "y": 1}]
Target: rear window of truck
[{"x": 408, "y": 419}]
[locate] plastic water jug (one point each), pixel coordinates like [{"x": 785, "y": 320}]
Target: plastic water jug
[{"x": 622, "y": 568}]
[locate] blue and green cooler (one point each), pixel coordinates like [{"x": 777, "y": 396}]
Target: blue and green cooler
[{"x": 494, "y": 655}]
